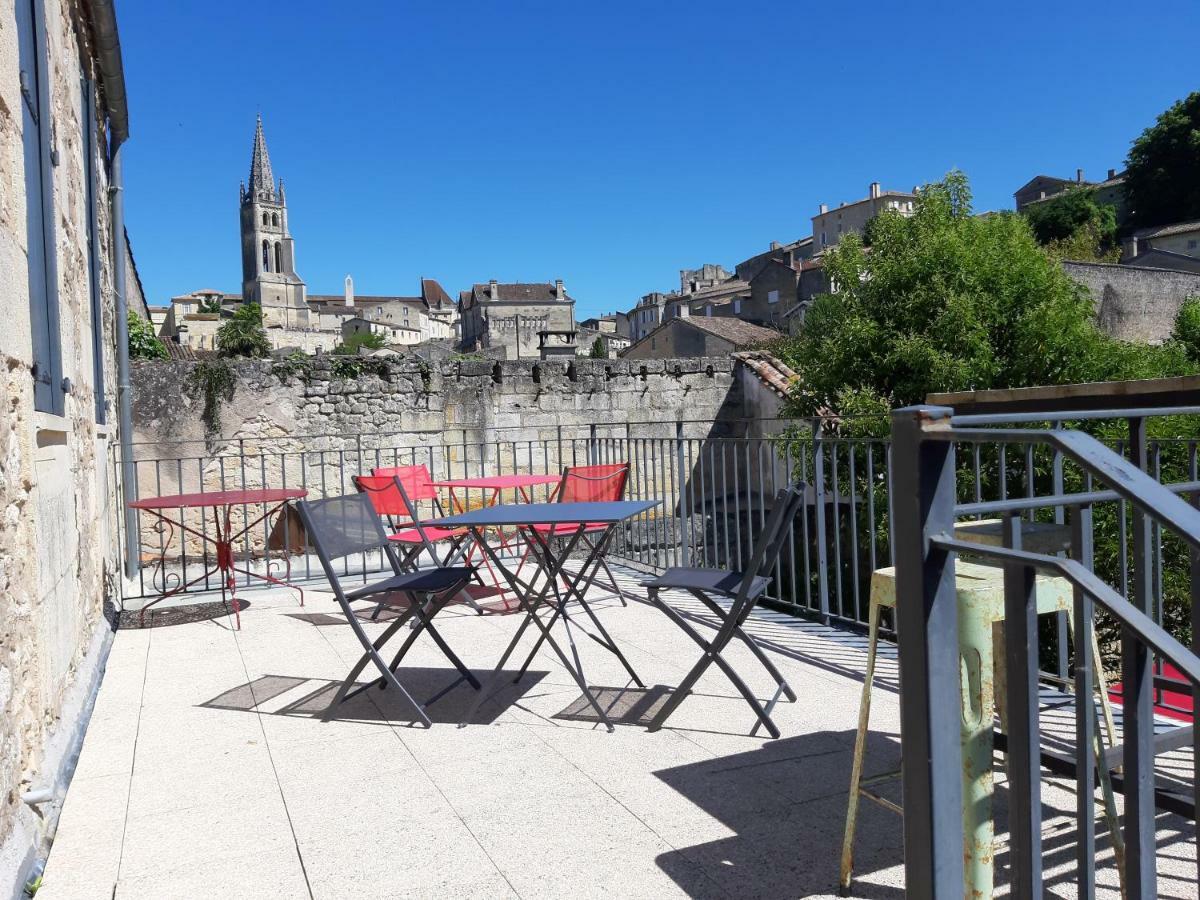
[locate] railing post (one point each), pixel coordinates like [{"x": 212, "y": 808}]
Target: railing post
[
  {"x": 1082, "y": 548},
  {"x": 1024, "y": 746},
  {"x": 1137, "y": 696},
  {"x": 681, "y": 487},
  {"x": 819, "y": 512},
  {"x": 593, "y": 445},
  {"x": 927, "y": 631}
]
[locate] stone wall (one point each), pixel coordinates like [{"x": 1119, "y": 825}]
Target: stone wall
[
  {"x": 58, "y": 555},
  {"x": 315, "y": 428},
  {"x": 1135, "y": 303}
]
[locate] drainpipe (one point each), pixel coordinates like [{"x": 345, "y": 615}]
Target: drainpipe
[{"x": 124, "y": 397}]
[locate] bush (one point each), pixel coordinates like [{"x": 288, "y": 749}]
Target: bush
[
  {"x": 243, "y": 334},
  {"x": 368, "y": 339},
  {"x": 143, "y": 342}
]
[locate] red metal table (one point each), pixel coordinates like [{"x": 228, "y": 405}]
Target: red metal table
[{"x": 274, "y": 499}]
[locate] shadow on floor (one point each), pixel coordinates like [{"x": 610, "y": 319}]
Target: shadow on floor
[
  {"x": 786, "y": 804},
  {"x": 380, "y": 705}
]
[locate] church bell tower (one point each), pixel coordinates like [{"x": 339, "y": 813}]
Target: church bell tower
[{"x": 268, "y": 252}]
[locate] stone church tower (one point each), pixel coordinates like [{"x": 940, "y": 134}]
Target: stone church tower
[{"x": 268, "y": 252}]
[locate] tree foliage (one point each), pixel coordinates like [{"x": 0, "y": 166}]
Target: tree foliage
[
  {"x": 368, "y": 339},
  {"x": 598, "y": 350},
  {"x": 1074, "y": 226},
  {"x": 1187, "y": 328},
  {"x": 945, "y": 301},
  {"x": 1162, "y": 175},
  {"x": 243, "y": 334},
  {"x": 143, "y": 342}
]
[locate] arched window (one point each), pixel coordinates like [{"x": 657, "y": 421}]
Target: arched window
[
  {"x": 275, "y": 219},
  {"x": 266, "y": 257},
  {"x": 265, "y": 219},
  {"x": 278, "y": 257}
]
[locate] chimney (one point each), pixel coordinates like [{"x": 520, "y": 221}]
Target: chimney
[
  {"x": 824, "y": 209},
  {"x": 1129, "y": 248},
  {"x": 349, "y": 291},
  {"x": 558, "y": 289},
  {"x": 493, "y": 290},
  {"x": 775, "y": 245},
  {"x": 1112, "y": 173},
  {"x": 874, "y": 190},
  {"x": 1079, "y": 175}
]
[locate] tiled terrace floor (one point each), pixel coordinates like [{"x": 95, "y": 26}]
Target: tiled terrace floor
[{"x": 208, "y": 772}]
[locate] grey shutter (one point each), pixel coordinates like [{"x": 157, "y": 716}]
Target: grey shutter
[{"x": 39, "y": 207}]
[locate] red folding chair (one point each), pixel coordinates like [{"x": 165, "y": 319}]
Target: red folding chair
[{"x": 588, "y": 484}]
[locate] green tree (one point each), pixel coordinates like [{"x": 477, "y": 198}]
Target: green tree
[
  {"x": 143, "y": 342},
  {"x": 349, "y": 346},
  {"x": 948, "y": 301},
  {"x": 598, "y": 350},
  {"x": 1074, "y": 226},
  {"x": 1187, "y": 328},
  {"x": 1162, "y": 174},
  {"x": 243, "y": 334},
  {"x": 212, "y": 305}
]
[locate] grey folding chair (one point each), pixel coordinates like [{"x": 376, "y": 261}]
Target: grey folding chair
[
  {"x": 745, "y": 589},
  {"x": 343, "y": 526}
]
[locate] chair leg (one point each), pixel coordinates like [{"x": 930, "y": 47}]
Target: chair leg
[
  {"x": 750, "y": 643},
  {"x": 372, "y": 655}
]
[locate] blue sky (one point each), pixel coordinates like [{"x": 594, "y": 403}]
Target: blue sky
[{"x": 607, "y": 144}]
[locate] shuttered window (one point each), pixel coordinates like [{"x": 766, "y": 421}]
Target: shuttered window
[{"x": 39, "y": 207}]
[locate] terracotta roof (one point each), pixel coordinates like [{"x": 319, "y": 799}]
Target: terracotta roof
[
  {"x": 769, "y": 369},
  {"x": 1167, "y": 230},
  {"x": 179, "y": 351},
  {"x": 736, "y": 331},
  {"x": 435, "y": 295}
]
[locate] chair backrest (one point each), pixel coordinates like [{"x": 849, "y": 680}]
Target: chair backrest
[
  {"x": 414, "y": 478},
  {"x": 585, "y": 484},
  {"x": 341, "y": 526},
  {"x": 775, "y": 532},
  {"x": 389, "y": 497}
]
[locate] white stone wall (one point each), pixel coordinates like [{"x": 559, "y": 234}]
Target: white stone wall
[{"x": 57, "y": 544}]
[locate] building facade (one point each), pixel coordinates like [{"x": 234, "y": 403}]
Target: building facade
[
  {"x": 831, "y": 225},
  {"x": 700, "y": 336},
  {"x": 67, "y": 284},
  {"x": 514, "y": 316}
]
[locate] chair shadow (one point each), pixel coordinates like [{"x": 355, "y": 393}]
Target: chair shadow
[
  {"x": 786, "y": 803},
  {"x": 453, "y": 707}
]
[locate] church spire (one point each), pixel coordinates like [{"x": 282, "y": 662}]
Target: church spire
[{"x": 262, "y": 180}]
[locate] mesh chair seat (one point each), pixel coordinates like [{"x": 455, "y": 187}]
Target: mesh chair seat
[
  {"x": 432, "y": 581},
  {"x": 719, "y": 581},
  {"x": 432, "y": 532}
]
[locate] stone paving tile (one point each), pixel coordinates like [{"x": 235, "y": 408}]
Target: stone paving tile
[{"x": 209, "y": 770}]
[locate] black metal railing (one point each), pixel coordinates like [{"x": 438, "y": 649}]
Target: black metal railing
[{"x": 1151, "y": 536}]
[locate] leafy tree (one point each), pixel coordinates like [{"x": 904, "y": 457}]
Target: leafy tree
[
  {"x": 1187, "y": 328},
  {"x": 243, "y": 334},
  {"x": 212, "y": 305},
  {"x": 143, "y": 342},
  {"x": 349, "y": 346},
  {"x": 598, "y": 350},
  {"x": 1074, "y": 226},
  {"x": 1162, "y": 175},
  {"x": 948, "y": 301}
]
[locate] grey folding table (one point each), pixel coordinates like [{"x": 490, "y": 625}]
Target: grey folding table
[{"x": 570, "y": 520}]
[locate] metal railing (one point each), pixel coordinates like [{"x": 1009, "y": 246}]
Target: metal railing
[{"x": 1157, "y": 537}]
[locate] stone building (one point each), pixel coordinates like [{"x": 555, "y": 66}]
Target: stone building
[
  {"x": 830, "y": 225},
  {"x": 67, "y": 283},
  {"x": 1165, "y": 247},
  {"x": 268, "y": 252},
  {"x": 514, "y": 316},
  {"x": 1109, "y": 192},
  {"x": 700, "y": 336}
]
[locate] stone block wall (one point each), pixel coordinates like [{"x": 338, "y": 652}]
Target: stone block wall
[{"x": 1135, "y": 303}]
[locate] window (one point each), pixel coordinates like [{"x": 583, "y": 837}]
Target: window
[
  {"x": 275, "y": 219},
  {"x": 39, "y": 209},
  {"x": 839, "y": 227},
  {"x": 88, "y": 89},
  {"x": 266, "y": 220},
  {"x": 266, "y": 257},
  {"x": 772, "y": 296},
  {"x": 278, "y": 257},
  {"x": 737, "y": 306},
  {"x": 823, "y": 239}
]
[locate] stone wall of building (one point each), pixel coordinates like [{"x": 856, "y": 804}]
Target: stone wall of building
[
  {"x": 58, "y": 553},
  {"x": 1135, "y": 303}
]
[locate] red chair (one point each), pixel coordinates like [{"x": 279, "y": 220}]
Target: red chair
[{"x": 588, "y": 484}]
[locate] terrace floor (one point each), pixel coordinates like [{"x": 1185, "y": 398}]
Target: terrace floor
[{"x": 207, "y": 771}]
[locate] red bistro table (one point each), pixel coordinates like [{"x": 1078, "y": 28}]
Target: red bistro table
[{"x": 274, "y": 499}]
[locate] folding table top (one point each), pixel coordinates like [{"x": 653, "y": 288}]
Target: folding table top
[{"x": 607, "y": 513}]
